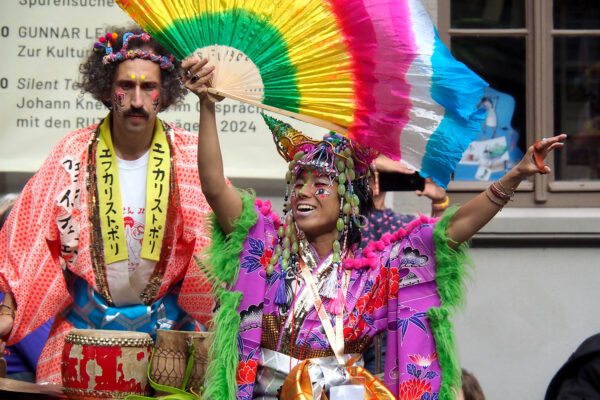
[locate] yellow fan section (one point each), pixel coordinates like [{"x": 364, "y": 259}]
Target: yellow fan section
[{"x": 314, "y": 42}]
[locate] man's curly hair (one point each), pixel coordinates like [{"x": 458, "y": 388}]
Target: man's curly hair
[{"x": 97, "y": 78}]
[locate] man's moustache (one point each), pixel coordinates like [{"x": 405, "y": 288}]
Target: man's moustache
[{"x": 136, "y": 113}]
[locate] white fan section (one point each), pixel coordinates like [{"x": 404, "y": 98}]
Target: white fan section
[{"x": 235, "y": 74}]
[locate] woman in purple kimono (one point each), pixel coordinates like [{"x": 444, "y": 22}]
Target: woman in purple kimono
[{"x": 299, "y": 288}]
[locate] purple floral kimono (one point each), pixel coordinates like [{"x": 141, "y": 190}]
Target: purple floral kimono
[{"x": 393, "y": 286}]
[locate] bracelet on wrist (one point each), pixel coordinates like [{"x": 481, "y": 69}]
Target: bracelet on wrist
[
  {"x": 498, "y": 194},
  {"x": 11, "y": 310},
  {"x": 441, "y": 206}
]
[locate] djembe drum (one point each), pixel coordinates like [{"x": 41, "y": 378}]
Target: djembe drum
[
  {"x": 101, "y": 364},
  {"x": 171, "y": 355}
]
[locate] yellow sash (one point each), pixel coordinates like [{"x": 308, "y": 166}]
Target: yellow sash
[{"x": 109, "y": 196}]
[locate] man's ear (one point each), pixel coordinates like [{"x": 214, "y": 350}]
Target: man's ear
[{"x": 161, "y": 101}]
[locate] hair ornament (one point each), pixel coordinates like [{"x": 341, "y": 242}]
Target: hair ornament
[
  {"x": 326, "y": 155},
  {"x": 108, "y": 43}
]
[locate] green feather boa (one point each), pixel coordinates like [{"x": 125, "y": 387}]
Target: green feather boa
[
  {"x": 450, "y": 275},
  {"x": 222, "y": 269}
]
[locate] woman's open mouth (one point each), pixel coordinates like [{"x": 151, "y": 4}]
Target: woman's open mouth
[{"x": 305, "y": 209}]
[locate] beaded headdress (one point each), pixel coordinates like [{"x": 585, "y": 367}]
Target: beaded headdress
[
  {"x": 108, "y": 43},
  {"x": 336, "y": 157}
]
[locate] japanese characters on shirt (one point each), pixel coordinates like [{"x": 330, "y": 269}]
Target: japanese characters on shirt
[{"x": 110, "y": 199}]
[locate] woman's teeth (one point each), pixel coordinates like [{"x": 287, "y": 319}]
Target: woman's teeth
[{"x": 305, "y": 207}]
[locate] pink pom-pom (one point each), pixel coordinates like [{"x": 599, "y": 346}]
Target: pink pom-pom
[
  {"x": 276, "y": 220},
  {"x": 354, "y": 263},
  {"x": 108, "y": 36},
  {"x": 399, "y": 234},
  {"x": 102, "y": 39},
  {"x": 386, "y": 238},
  {"x": 258, "y": 202}
]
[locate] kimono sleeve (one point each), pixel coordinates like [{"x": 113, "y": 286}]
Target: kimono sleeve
[
  {"x": 30, "y": 248},
  {"x": 421, "y": 353}
]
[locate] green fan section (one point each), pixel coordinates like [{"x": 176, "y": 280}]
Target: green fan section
[{"x": 249, "y": 33}]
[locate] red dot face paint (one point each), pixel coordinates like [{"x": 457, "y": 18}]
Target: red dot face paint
[{"x": 119, "y": 100}]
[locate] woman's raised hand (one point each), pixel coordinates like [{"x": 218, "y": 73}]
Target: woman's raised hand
[
  {"x": 533, "y": 160},
  {"x": 197, "y": 75}
]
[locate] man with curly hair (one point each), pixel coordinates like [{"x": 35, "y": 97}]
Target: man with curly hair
[{"x": 119, "y": 205}]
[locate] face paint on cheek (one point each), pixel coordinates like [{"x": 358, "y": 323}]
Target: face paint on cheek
[
  {"x": 155, "y": 101},
  {"x": 323, "y": 192},
  {"x": 119, "y": 101}
]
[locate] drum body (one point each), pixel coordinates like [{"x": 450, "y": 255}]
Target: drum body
[
  {"x": 171, "y": 355},
  {"x": 101, "y": 364}
]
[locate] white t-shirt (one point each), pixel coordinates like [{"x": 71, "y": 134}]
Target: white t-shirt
[{"x": 132, "y": 176}]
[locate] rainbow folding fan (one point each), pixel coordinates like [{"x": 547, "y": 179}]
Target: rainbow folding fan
[{"x": 374, "y": 71}]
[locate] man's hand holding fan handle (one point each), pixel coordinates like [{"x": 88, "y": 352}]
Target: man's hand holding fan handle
[{"x": 197, "y": 76}]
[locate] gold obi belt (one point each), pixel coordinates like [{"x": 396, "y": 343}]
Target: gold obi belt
[{"x": 312, "y": 378}]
